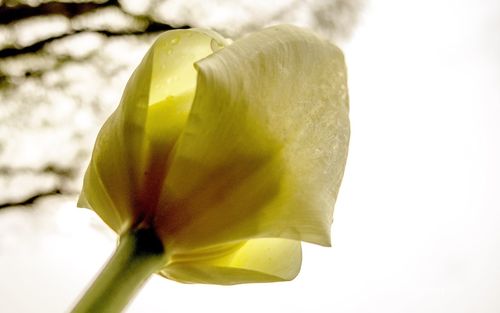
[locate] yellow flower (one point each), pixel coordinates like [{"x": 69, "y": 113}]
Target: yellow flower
[{"x": 231, "y": 153}]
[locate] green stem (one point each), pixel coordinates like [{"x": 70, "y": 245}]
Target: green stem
[{"x": 139, "y": 254}]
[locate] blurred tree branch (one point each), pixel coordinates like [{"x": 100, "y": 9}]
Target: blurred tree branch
[
  {"x": 32, "y": 199},
  {"x": 13, "y": 14},
  {"x": 9, "y": 13},
  {"x": 151, "y": 28}
]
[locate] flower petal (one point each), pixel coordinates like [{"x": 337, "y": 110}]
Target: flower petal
[
  {"x": 147, "y": 122},
  {"x": 264, "y": 148},
  {"x": 257, "y": 260}
]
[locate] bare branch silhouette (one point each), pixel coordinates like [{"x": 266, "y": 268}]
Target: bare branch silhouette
[
  {"x": 32, "y": 199},
  {"x": 10, "y": 14},
  {"x": 36, "y": 47}
]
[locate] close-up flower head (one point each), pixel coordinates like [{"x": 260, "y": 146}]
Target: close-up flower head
[
  {"x": 228, "y": 154},
  {"x": 231, "y": 152}
]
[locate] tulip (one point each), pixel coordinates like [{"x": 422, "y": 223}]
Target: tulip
[{"x": 220, "y": 159}]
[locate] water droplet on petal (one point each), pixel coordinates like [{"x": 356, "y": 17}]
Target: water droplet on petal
[{"x": 174, "y": 41}]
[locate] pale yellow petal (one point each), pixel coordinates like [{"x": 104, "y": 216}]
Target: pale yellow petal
[
  {"x": 265, "y": 144},
  {"x": 257, "y": 260},
  {"x": 122, "y": 179}
]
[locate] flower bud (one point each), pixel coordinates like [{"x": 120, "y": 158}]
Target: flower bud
[{"x": 233, "y": 153}]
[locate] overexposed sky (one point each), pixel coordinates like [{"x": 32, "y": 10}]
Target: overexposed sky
[{"x": 417, "y": 222}]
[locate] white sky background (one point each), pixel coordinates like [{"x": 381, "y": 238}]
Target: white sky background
[{"x": 417, "y": 223}]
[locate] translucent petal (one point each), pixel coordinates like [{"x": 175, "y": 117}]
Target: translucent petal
[
  {"x": 122, "y": 180},
  {"x": 264, "y": 148},
  {"x": 256, "y": 260}
]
